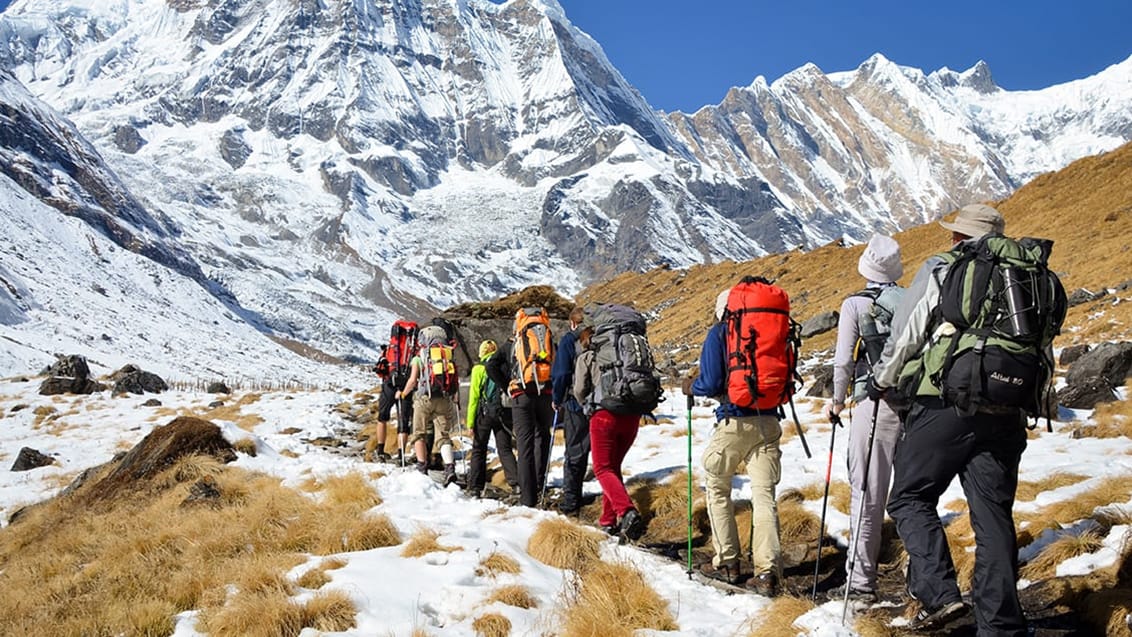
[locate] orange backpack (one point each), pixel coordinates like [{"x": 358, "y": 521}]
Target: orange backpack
[
  {"x": 534, "y": 348},
  {"x": 438, "y": 363},
  {"x": 762, "y": 345}
]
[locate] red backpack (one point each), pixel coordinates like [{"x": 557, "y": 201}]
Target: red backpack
[
  {"x": 402, "y": 346},
  {"x": 762, "y": 345}
]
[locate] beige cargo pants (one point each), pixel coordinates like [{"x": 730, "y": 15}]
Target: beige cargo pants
[{"x": 753, "y": 439}]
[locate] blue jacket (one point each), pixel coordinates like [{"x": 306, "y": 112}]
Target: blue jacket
[
  {"x": 712, "y": 381},
  {"x": 562, "y": 373}
]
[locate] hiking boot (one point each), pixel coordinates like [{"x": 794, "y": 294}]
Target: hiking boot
[
  {"x": 611, "y": 530},
  {"x": 569, "y": 511},
  {"x": 728, "y": 573},
  {"x": 382, "y": 457},
  {"x": 449, "y": 474},
  {"x": 765, "y": 584},
  {"x": 632, "y": 526},
  {"x": 935, "y": 617},
  {"x": 858, "y": 597},
  {"x": 422, "y": 467}
]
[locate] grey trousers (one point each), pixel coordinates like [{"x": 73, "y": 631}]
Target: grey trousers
[{"x": 872, "y": 488}]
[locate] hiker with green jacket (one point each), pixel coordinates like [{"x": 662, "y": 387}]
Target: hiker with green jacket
[{"x": 487, "y": 415}]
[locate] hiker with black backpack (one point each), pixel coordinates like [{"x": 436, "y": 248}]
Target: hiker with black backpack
[
  {"x": 575, "y": 424},
  {"x": 436, "y": 383},
  {"x": 971, "y": 348},
  {"x": 863, "y": 327},
  {"x": 487, "y": 414},
  {"x": 532, "y": 410},
  {"x": 748, "y": 363}
]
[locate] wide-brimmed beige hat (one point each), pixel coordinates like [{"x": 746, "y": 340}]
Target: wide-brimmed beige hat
[{"x": 975, "y": 220}]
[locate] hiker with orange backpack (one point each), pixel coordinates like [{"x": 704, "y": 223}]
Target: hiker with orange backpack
[
  {"x": 532, "y": 410},
  {"x": 434, "y": 379},
  {"x": 747, "y": 363}
]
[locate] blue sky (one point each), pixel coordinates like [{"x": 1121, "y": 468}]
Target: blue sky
[{"x": 684, "y": 54}]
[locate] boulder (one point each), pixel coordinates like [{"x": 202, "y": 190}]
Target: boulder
[
  {"x": 218, "y": 388},
  {"x": 73, "y": 366},
  {"x": 1072, "y": 354},
  {"x": 1086, "y": 393},
  {"x": 1111, "y": 361},
  {"x": 140, "y": 382},
  {"x": 164, "y": 446},
  {"x": 819, "y": 324},
  {"x": 1081, "y": 295},
  {"x": 29, "y": 459},
  {"x": 823, "y": 383},
  {"x": 152, "y": 402},
  {"x": 56, "y": 385}
]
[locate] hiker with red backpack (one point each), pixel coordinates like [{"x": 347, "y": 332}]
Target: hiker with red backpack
[
  {"x": 863, "y": 326},
  {"x": 393, "y": 369},
  {"x": 971, "y": 349},
  {"x": 748, "y": 363},
  {"x": 433, "y": 377},
  {"x": 532, "y": 410}
]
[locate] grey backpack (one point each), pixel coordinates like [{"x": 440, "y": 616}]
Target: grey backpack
[{"x": 626, "y": 381}]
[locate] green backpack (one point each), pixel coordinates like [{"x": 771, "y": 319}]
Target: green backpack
[{"x": 990, "y": 335}]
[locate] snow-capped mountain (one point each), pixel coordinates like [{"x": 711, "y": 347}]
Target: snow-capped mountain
[{"x": 324, "y": 165}]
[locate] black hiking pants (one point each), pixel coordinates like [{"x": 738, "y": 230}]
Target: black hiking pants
[
  {"x": 533, "y": 416},
  {"x": 576, "y": 429},
  {"x": 477, "y": 466},
  {"x": 984, "y": 450}
]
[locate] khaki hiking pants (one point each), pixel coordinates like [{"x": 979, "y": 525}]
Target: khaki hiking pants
[
  {"x": 439, "y": 412},
  {"x": 754, "y": 440}
]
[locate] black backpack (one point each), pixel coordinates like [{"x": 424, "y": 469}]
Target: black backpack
[
  {"x": 999, "y": 311},
  {"x": 627, "y": 381}
]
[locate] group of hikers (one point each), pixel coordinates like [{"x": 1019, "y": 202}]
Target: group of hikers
[{"x": 939, "y": 379}]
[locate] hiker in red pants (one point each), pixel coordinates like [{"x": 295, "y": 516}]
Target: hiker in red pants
[{"x": 611, "y": 435}]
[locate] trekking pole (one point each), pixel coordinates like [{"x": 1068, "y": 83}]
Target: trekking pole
[
  {"x": 691, "y": 402},
  {"x": 400, "y": 447},
  {"x": 798, "y": 428},
  {"x": 835, "y": 422},
  {"x": 860, "y": 512},
  {"x": 549, "y": 453}
]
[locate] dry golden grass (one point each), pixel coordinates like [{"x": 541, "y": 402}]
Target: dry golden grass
[
  {"x": 329, "y": 611},
  {"x": 872, "y": 626},
  {"x": 1114, "y": 419},
  {"x": 961, "y": 542},
  {"x": 839, "y": 494},
  {"x": 777, "y": 619},
  {"x": 796, "y": 524},
  {"x": 99, "y": 579},
  {"x": 1107, "y": 612},
  {"x": 350, "y": 490},
  {"x": 314, "y": 578},
  {"x": 423, "y": 542},
  {"x": 1030, "y": 489},
  {"x": 1056, "y": 552},
  {"x": 496, "y": 563},
  {"x": 492, "y": 625},
  {"x": 1086, "y": 207},
  {"x": 665, "y": 506},
  {"x": 245, "y": 446},
  {"x": 514, "y": 595},
  {"x": 562, "y": 544},
  {"x": 1081, "y": 505},
  {"x": 613, "y": 600}
]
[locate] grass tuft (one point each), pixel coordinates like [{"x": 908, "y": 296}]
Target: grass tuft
[
  {"x": 613, "y": 600},
  {"x": 423, "y": 542},
  {"x": 514, "y": 595},
  {"x": 777, "y": 619},
  {"x": 1068, "y": 545},
  {"x": 562, "y": 544},
  {"x": 329, "y": 611},
  {"x": 1030, "y": 489},
  {"x": 492, "y": 625},
  {"x": 496, "y": 563}
]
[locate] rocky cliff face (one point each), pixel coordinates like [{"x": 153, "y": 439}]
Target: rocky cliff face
[{"x": 332, "y": 163}]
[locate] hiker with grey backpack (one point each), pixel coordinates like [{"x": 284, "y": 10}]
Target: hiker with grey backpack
[
  {"x": 616, "y": 383},
  {"x": 971, "y": 348},
  {"x": 863, "y": 326},
  {"x": 433, "y": 377}
]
